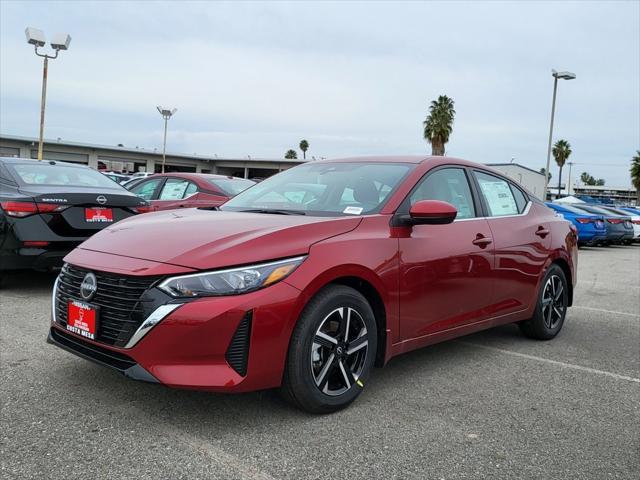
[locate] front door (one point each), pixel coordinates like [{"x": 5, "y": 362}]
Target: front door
[{"x": 445, "y": 270}]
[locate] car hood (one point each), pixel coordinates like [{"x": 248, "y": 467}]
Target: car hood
[{"x": 208, "y": 239}]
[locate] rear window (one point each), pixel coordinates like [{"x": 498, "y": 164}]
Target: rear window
[
  {"x": 47, "y": 174},
  {"x": 231, "y": 186}
]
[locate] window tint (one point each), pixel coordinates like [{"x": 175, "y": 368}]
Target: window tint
[
  {"x": 44, "y": 173},
  {"x": 173, "y": 189},
  {"x": 146, "y": 189},
  {"x": 497, "y": 194},
  {"x": 191, "y": 189},
  {"x": 521, "y": 200},
  {"x": 449, "y": 185}
]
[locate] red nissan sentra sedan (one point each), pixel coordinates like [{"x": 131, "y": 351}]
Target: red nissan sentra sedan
[{"x": 308, "y": 279}]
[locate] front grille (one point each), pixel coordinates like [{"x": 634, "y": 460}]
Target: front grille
[
  {"x": 237, "y": 355},
  {"x": 100, "y": 355},
  {"x": 121, "y": 308}
]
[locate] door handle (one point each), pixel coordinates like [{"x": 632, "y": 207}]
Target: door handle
[
  {"x": 482, "y": 241},
  {"x": 542, "y": 232}
]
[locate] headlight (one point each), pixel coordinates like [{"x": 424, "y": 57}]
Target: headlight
[{"x": 230, "y": 282}]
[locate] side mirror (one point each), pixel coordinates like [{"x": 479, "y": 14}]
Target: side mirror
[{"x": 431, "y": 212}]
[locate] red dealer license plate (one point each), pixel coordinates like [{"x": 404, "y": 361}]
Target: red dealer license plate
[
  {"x": 98, "y": 215},
  {"x": 82, "y": 319}
]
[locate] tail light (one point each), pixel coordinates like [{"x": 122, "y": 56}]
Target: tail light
[
  {"x": 143, "y": 209},
  {"x": 24, "y": 209},
  {"x": 635, "y": 222},
  {"x": 35, "y": 243},
  {"x": 615, "y": 221},
  {"x": 584, "y": 220}
]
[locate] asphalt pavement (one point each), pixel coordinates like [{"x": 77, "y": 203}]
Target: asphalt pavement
[{"x": 491, "y": 405}]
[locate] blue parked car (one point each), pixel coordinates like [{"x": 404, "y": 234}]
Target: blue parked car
[
  {"x": 619, "y": 226},
  {"x": 592, "y": 228}
]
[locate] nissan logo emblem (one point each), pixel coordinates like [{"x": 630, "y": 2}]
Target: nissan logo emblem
[
  {"x": 88, "y": 286},
  {"x": 101, "y": 199}
]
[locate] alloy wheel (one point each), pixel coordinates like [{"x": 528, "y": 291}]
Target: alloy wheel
[
  {"x": 339, "y": 351},
  {"x": 553, "y": 302}
]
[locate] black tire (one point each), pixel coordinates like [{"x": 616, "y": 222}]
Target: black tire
[
  {"x": 319, "y": 365},
  {"x": 551, "y": 307}
]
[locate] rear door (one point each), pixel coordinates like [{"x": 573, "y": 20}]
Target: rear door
[
  {"x": 521, "y": 238},
  {"x": 445, "y": 270},
  {"x": 176, "y": 193}
]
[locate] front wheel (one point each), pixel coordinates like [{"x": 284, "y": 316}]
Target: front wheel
[
  {"x": 551, "y": 308},
  {"x": 332, "y": 351}
]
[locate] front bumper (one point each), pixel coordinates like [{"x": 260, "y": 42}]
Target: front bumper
[{"x": 195, "y": 346}]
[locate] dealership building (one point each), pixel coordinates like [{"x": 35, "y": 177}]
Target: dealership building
[{"x": 121, "y": 158}]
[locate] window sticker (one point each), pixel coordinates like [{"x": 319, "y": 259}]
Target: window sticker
[
  {"x": 353, "y": 210},
  {"x": 499, "y": 198}
]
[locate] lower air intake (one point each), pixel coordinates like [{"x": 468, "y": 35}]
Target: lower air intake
[{"x": 238, "y": 352}]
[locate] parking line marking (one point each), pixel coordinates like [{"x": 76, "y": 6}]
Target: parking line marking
[
  {"x": 607, "y": 311},
  {"x": 552, "y": 362}
]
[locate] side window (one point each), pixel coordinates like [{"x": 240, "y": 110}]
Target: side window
[
  {"x": 448, "y": 185},
  {"x": 521, "y": 200},
  {"x": 146, "y": 189},
  {"x": 191, "y": 189},
  {"x": 497, "y": 195},
  {"x": 174, "y": 189}
]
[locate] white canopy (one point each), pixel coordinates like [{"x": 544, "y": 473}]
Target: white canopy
[{"x": 569, "y": 199}]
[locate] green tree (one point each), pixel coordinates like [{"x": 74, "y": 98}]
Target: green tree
[
  {"x": 439, "y": 124},
  {"x": 600, "y": 182},
  {"x": 635, "y": 174},
  {"x": 585, "y": 178},
  {"x": 304, "y": 146},
  {"x": 561, "y": 151},
  {"x": 291, "y": 154}
]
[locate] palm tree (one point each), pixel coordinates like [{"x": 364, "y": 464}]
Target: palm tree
[
  {"x": 291, "y": 154},
  {"x": 635, "y": 175},
  {"x": 304, "y": 146},
  {"x": 561, "y": 151},
  {"x": 542, "y": 170},
  {"x": 439, "y": 124}
]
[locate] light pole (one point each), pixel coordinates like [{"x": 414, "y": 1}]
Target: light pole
[
  {"x": 569, "y": 182},
  {"x": 60, "y": 41},
  {"x": 166, "y": 114},
  {"x": 556, "y": 76}
]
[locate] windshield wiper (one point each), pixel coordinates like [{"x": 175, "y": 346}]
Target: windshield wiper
[{"x": 275, "y": 212}]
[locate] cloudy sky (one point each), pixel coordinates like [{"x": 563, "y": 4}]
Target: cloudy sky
[{"x": 352, "y": 78}]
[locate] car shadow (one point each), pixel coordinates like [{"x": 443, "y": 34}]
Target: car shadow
[
  {"x": 34, "y": 282},
  {"x": 190, "y": 410}
]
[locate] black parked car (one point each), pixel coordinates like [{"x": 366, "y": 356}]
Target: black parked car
[
  {"x": 47, "y": 208},
  {"x": 621, "y": 230}
]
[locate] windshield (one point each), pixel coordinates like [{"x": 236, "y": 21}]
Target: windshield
[
  {"x": 46, "y": 174},
  {"x": 324, "y": 189},
  {"x": 231, "y": 186}
]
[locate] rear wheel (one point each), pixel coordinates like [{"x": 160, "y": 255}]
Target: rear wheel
[
  {"x": 551, "y": 308},
  {"x": 332, "y": 351}
]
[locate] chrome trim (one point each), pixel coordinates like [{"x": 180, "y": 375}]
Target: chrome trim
[
  {"x": 151, "y": 321},
  {"x": 226, "y": 270},
  {"x": 53, "y": 300}
]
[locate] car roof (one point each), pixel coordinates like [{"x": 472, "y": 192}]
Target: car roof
[
  {"x": 17, "y": 160},
  {"x": 195, "y": 176},
  {"x": 435, "y": 159}
]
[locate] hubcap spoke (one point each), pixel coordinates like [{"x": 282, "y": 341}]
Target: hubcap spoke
[
  {"x": 357, "y": 344},
  {"x": 347, "y": 382},
  {"x": 325, "y": 340},
  {"x": 323, "y": 376},
  {"x": 559, "y": 292}
]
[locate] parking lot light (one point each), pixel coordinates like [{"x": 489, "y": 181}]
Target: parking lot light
[
  {"x": 166, "y": 114},
  {"x": 60, "y": 41},
  {"x": 556, "y": 76}
]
